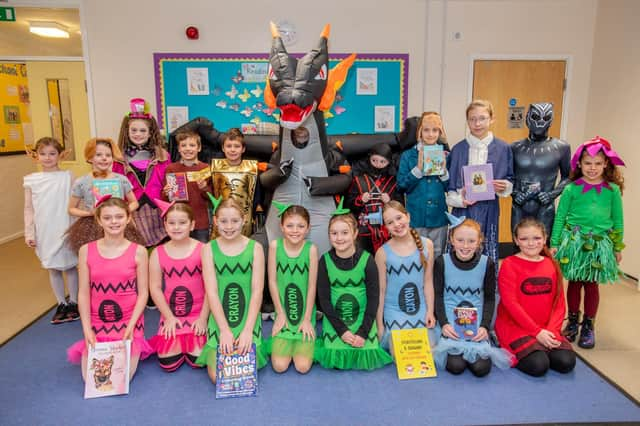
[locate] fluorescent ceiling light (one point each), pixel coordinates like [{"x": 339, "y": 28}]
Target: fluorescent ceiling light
[{"x": 48, "y": 29}]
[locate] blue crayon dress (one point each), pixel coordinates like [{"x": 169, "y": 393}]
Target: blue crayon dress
[
  {"x": 464, "y": 288},
  {"x": 404, "y": 302}
]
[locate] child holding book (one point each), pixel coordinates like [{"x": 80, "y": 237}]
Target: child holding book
[
  {"x": 348, "y": 294},
  {"x": 100, "y": 153},
  {"x": 293, "y": 269},
  {"x": 370, "y": 189},
  {"x": 46, "y": 198},
  {"x": 588, "y": 231},
  {"x": 144, "y": 163},
  {"x": 113, "y": 286},
  {"x": 233, "y": 273},
  {"x": 465, "y": 283},
  {"x": 197, "y": 185},
  {"x": 176, "y": 286},
  {"x": 405, "y": 269},
  {"x": 425, "y": 189},
  {"x": 481, "y": 147},
  {"x": 532, "y": 305}
]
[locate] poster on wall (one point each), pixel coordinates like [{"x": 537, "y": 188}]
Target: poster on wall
[{"x": 15, "y": 115}]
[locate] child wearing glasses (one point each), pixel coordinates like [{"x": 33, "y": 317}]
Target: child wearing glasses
[{"x": 481, "y": 147}]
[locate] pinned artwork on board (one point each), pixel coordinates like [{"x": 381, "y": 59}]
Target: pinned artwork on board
[
  {"x": 198, "y": 81},
  {"x": 515, "y": 119}
]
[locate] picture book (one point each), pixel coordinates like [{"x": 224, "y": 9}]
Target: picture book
[
  {"x": 108, "y": 186},
  {"x": 478, "y": 182},
  {"x": 465, "y": 322},
  {"x": 108, "y": 369},
  {"x": 236, "y": 375},
  {"x": 412, "y": 354},
  {"x": 434, "y": 162},
  {"x": 177, "y": 183}
]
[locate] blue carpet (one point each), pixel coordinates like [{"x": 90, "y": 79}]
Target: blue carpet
[{"x": 39, "y": 388}]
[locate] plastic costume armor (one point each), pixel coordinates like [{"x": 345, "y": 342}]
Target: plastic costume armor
[
  {"x": 304, "y": 170},
  {"x": 536, "y": 162}
]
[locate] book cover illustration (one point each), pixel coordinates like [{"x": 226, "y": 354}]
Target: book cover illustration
[
  {"x": 236, "y": 375},
  {"x": 107, "y": 186},
  {"x": 412, "y": 354},
  {"x": 434, "y": 162},
  {"x": 465, "y": 322},
  {"x": 108, "y": 369},
  {"x": 478, "y": 182},
  {"x": 177, "y": 183}
]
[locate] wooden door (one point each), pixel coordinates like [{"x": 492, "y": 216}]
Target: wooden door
[{"x": 510, "y": 84}]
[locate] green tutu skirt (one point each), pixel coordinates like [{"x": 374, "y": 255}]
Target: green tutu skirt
[
  {"x": 210, "y": 352},
  {"x": 292, "y": 347},
  {"x": 350, "y": 358},
  {"x": 589, "y": 257}
]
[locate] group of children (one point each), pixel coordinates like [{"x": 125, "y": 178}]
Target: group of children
[{"x": 209, "y": 291}]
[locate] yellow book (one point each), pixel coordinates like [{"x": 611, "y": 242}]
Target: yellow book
[{"x": 412, "y": 354}]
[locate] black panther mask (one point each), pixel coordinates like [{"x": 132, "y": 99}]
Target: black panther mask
[{"x": 539, "y": 119}]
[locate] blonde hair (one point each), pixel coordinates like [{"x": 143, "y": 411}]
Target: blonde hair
[
  {"x": 480, "y": 103},
  {"x": 433, "y": 118},
  {"x": 396, "y": 205},
  {"x": 180, "y": 207}
]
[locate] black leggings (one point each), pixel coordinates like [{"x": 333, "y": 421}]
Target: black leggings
[
  {"x": 456, "y": 365},
  {"x": 537, "y": 363}
]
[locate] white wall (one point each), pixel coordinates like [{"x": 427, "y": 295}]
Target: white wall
[
  {"x": 122, "y": 64},
  {"x": 614, "y": 105},
  {"x": 513, "y": 28}
]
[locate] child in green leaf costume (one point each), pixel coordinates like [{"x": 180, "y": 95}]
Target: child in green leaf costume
[
  {"x": 233, "y": 273},
  {"x": 293, "y": 270},
  {"x": 587, "y": 232},
  {"x": 349, "y": 294}
]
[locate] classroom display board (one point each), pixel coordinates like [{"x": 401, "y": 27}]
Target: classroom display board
[
  {"x": 15, "y": 122},
  {"x": 228, "y": 89}
]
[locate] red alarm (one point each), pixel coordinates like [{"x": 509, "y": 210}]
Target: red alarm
[{"x": 192, "y": 33}]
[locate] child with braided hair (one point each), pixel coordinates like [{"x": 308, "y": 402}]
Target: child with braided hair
[{"x": 405, "y": 269}]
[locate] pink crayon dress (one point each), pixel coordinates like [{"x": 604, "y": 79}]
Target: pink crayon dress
[
  {"x": 183, "y": 290},
  {"x": 113, "y": 294}
]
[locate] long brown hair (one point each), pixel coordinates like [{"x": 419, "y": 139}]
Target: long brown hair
[
  {"x": 396, "y": 205},
  {"x": 611, "y": 172},
  {"x": 156, "y": 141},
  {"x": 529, "y": 222}
]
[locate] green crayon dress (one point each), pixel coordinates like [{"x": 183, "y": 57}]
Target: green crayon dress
[
  {"x": 292, "y": 276},
  {"x": 233, "y": 274},
  {"x": 349, "y": 300}
]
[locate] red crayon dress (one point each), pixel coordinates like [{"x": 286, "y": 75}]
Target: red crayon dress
[
  {"x": 113, "y": 294},
  {"x": 183, "y": 290},
  {"x": 529, "y": 302}
]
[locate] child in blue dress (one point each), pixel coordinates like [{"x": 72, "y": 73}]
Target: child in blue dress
[
  {"x": 465, "y": 278},
  {"x": 405, "y": 270}
]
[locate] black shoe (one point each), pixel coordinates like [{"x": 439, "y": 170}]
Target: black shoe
[
  {"x": 587, "y": 335},
  {"x": 267, "y": 311},
  {"x": 571, "y": 329},
  {"x": 72, "y": 312},
  {"x": 61, "y": 314}
]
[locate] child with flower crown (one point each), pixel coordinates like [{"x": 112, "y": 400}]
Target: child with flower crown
[{"x": 587, "y": 232}]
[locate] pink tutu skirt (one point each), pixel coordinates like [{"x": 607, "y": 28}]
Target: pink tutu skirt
[
  {"x": 139, "y": 347},
  {"x": 186, "y": 343}
]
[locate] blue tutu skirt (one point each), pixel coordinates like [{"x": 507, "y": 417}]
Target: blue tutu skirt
[{"x": 470, "y": 351}]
